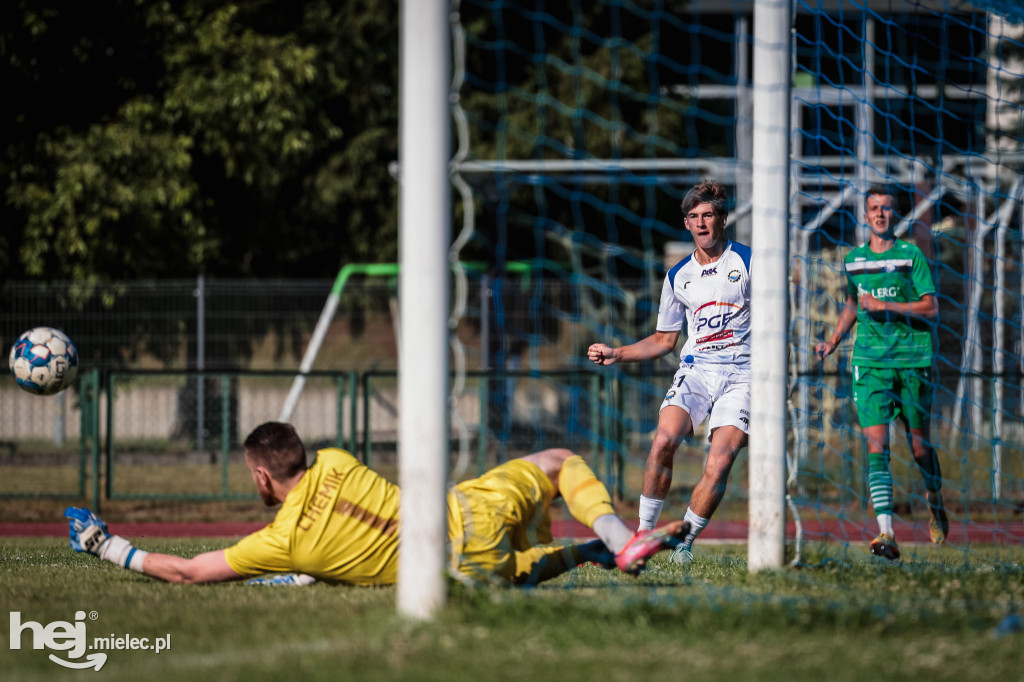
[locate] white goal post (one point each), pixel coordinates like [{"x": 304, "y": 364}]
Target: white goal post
[
  {"x": 424, "y": 239},
  {"x": 423, "y": 298},
  {"x": 769, "y": 301}
]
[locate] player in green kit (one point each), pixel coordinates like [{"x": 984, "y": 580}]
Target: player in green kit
[{"x": 891, "y": 296}]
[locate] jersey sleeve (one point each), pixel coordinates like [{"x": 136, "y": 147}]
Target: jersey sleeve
[
  {"x": 259, "y": 552},
  {"x": 851, "y": 286},
  {"x": 921, "y": 275},
  {"x": 671, "y": 312}
]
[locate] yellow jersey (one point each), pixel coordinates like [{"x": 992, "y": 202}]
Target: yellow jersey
[
  {"x": 339, "y": 524},
  {"x": 495, "y": 520}
]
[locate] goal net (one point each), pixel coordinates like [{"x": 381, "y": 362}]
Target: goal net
[{"x": 578, "y": 127}]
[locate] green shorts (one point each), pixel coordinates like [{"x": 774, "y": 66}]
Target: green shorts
[{"x": 883, "y": 394}]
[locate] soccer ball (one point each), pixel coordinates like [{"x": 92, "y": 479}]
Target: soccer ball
[{"x": 44, "y": 361}]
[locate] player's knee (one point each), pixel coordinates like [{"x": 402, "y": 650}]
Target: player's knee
[
  {"x": 665, "y": 445},
  {"x": 558, "y": 454},
  {"x": 550, "y": 461},
  {"x": 923, "y": 453},
  {"x": 717, "y": 468},
  {"x": 720, "y": 460}
]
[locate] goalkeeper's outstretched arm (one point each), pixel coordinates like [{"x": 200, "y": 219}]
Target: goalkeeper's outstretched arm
[
  {"x": 89, "y": 534},
  {"x": 209, "y": 567}
]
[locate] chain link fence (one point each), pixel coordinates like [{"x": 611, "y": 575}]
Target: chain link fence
[{"x": 189, "y": 367}]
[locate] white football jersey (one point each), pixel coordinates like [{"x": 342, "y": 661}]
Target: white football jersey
[{"x": 714, "y": 302}]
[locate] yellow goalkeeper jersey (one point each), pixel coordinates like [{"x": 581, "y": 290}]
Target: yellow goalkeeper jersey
[{"x": 339, "y": 524}]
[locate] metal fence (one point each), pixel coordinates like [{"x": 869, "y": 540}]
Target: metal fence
[
  {"x": 162, "y": 434},
  {"x": 174, "y": 374},
  {"x": 204, "y": 324}
]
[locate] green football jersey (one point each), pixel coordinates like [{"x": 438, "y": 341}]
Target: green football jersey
[{"x": 900, "y": 274}]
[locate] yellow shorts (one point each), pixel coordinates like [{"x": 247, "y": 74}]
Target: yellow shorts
[{"x": 495, "y": 520}]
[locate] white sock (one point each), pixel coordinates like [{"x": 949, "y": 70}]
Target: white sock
[
  {"x": 697, "y": 524},
  {"x": 885, "y": 525},
  {"x": 650, "y": 510},
  {"x": 612, "y": 531}
]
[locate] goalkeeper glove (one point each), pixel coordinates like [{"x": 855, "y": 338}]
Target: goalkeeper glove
[
  {"x": 89, "y": 534},
  {"x": 284, "y": 579}
]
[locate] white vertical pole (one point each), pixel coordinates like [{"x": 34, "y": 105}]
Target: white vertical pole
[
  {"x": 769, "y": 303},
  {"x": 424, "y": 239},
  {"x": 978, "y": 255},
  {"x": 744, "y": 123},
  {"x": 997, "y": 358},
  {"x": 865, "y": 130}
]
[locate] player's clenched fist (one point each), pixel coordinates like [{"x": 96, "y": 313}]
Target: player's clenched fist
[{"x": 601, "y": 354}]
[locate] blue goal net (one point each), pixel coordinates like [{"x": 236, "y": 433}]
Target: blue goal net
[{"x": 580, "y": 125}]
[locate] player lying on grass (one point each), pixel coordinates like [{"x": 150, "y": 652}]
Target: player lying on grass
[{"x": 338, "y": 522}]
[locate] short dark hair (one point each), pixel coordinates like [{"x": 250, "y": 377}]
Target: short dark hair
[
  {"x": 276, "y": 447},
  {"x": 878, "y": 191},
  {"x": 707, "y": 191}
]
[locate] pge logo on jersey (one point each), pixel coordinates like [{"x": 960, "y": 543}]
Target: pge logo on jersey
[{"x": 712, "y": 316}]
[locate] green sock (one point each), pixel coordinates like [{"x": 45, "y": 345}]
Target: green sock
[{"x": 880, "y": 482}]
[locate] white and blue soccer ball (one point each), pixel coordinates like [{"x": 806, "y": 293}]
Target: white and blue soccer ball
[{"x": 44, "y": 361}]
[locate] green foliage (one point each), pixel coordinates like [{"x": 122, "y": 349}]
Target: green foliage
[
  {"x": 162, "y": 140},
  {"x": 243, "y": 97},
  {"x": 231, "y": 138},
  {"x": 106, "y": 200}
]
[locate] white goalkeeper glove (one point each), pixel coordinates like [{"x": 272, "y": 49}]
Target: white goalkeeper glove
[
  {"x": 89, "y": 534},
  {"x": 300, "y": 579}
]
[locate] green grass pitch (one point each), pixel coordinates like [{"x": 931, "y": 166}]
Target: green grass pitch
[{"x": 935, "y": 617}]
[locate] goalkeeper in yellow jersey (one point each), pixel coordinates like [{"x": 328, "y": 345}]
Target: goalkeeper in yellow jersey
[{"x": 339, "y": 523}]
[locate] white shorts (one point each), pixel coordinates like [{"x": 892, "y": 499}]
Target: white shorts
[{"x": 723, "y": 391}]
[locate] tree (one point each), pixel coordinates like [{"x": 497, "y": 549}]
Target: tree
[
  {"x": 165, "y": 140},
  {"x": 227, "y": 138}
]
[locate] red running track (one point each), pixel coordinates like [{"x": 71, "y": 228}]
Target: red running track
[{"x": 813, "y": 531}]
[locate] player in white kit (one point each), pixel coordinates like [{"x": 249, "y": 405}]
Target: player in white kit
[{"x": 709, "y": 291}]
